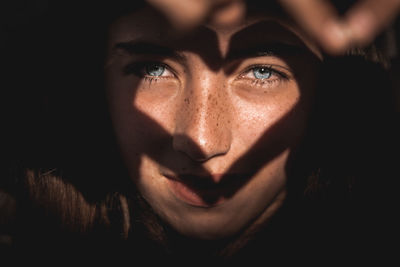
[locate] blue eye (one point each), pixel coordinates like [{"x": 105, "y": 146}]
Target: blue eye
[
  {"x": 155, "y": 69},
  {"x": 262, "y": 72}
]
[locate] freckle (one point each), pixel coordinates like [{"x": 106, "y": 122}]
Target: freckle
[{"x": 265, "y": 92}]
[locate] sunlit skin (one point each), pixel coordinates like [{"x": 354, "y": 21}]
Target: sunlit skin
[{"x": 207, "y": 129}]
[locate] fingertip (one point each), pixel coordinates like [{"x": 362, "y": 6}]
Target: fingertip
[
  {"x": 362, "y": 26},
  {"x": 336, "y": 38},
  {"x": 183, "y": 16},
  {"x": 231, "y": 14}
]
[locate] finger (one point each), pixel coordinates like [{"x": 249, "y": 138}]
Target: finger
[
  {"x": 228, "y": 14},
  {"x": 320, "y": 20},
  {"x": 366, "y": 19},
  {"x": 183, "y": 15},
  {"x": 187, "y": 14}
]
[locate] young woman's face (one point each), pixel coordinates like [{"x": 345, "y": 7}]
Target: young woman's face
[{"x": 207, "y": 122}]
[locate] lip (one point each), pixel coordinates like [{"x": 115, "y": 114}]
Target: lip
[{"x": 202, "y": 191}]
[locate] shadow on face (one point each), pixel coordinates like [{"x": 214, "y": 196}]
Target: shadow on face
[{"x": 200, "y": 131}]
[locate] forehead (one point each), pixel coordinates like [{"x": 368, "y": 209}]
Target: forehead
[{"x": 269, "y": 27}]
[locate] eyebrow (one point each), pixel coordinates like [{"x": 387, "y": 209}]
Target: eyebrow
[
  {"x": 147, "y": 48},
  {"x": 271, "y": 49},
  {"x": 268, "y": 49}
]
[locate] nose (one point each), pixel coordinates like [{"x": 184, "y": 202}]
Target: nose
[{"x": 203, "y": 121}]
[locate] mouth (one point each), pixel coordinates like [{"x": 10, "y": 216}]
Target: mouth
[{"x": 203, "y": 191}]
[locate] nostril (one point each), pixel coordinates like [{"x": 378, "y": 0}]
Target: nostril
[
  {"x": 197, "y": 152},
  {"x": 186, "y": 145}
]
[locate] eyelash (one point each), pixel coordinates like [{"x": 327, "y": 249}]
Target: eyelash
[
  {"x": 138, "y": 69},
  {"x": 281, "y": 76},
  {"x": 150, "y": 80}
]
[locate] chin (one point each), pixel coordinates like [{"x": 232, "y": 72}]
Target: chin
[
  {"x": 206, "y": 227},
  {"x": 227, "y": 220},
  {"x": 214, "y": 223}
]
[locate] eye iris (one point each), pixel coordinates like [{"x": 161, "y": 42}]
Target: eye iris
[
  {"x": 262, "y": 73},
  {"x": 155, "y": 70}
]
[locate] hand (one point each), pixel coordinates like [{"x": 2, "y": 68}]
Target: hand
[
  {"x": 335, "y": 34},
  {"x": 358, "y": 27},
  {"x": 186, "y": 14}
]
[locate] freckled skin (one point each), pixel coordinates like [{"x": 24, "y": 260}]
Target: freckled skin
[{"x": 202, "y": 119}]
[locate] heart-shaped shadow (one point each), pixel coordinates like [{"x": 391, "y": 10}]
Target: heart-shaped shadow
[
  {"x": 283, "y": 134},
  {"x": 79, "y": 116}
]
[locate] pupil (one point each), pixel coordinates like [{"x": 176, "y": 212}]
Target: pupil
[
  {"x": 155, "y": 70},
  {"x": 262, "y": 73}
]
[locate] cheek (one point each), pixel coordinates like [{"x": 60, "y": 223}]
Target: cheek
[
  {"x": 143, "y": 116},
  {"x": 158, "y": 104},
  {"x": 270, "y": 115}
]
